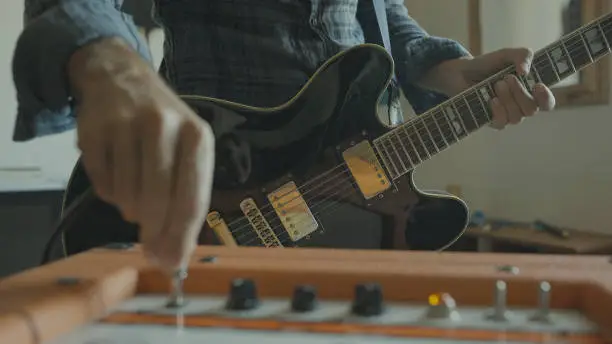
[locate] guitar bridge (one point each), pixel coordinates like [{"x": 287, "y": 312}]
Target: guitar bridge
[
  {"x": 293, "y": 211},
  {"x": 259, "y": 223}
]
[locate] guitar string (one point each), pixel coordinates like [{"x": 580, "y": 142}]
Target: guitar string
[
  {"x": 427, "y": 126},
  {"x": 330, "y": 203},
  {"x": 277, "y": 224},
  {"x": 338, "y": 180},
  {"x": 430, "y": 127},
  {"x": 312, "y": 207},
  {"x": 285, "y": 234},
  {"x": 425, "y": 135},
  {"x": 280, "y": 237}
]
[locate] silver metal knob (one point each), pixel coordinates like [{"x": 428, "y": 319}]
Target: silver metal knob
[
  {"x": 499, "y": 312},
  {"x": 543, "y": 312},
  {"x": 177, "y": 299}
]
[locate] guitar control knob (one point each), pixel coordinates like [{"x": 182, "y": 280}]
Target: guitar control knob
[
  {"x": 368, "y": 300},
  {"x": 243, "y": 295},
  {"x": 304, "y": 299}
]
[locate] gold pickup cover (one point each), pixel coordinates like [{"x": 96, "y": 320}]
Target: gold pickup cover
[
  {"x": 366, "y": 169},
  {"x": 293, "y": 211}
]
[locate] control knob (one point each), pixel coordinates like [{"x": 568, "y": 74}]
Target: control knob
[
  {"x": 368, "y": 300},
  {"x": 304, "y": 299},
  {"x": 243, "y": 295}
]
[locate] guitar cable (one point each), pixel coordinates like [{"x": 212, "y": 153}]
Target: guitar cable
[{"x": 57, "y": 232}]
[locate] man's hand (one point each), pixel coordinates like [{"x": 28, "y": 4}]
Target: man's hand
[
  {"x": 145, "y": 151},
  {"x": 513, "y": 101}
]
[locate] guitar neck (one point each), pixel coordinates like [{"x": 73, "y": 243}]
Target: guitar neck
[{"x": 411, "y": 143}]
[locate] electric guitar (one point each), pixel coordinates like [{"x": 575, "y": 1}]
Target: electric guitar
[{"x": 279, "y": 169}]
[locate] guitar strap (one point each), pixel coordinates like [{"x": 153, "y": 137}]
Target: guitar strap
[
  {"x": 392, "y": 97},
  {"x": 395, "y": 116},
  {"x": 383, "y": 25}
]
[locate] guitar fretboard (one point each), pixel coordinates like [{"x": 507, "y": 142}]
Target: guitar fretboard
[{"x": 411, "y": 143}]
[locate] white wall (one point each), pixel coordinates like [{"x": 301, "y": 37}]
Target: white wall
[
  {"x": 556, "y": 167},
  {"x": 39, "y": 164}
]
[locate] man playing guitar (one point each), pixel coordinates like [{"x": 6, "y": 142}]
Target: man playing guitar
[{"x": 82, "y": 63}]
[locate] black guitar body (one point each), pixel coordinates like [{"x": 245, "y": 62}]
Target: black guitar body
[{"x": 258, "y": 150}]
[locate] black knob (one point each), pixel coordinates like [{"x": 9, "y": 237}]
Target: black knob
[
  {"x": 304, "y": 298},
  {"x": 243, "y": 295},
  {"x": 368, "y": 300}
]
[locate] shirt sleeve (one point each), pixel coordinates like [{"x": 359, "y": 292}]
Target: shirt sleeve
[
  {"x": 53, "y": 30},
  {"x": 415, "y": 52}
]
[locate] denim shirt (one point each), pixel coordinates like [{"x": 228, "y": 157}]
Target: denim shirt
[{"x": 252, "y": 52}]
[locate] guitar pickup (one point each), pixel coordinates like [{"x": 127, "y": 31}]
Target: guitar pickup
[
  {"x": 293, "y": 211},
  {"x": 366, "y": 169}
]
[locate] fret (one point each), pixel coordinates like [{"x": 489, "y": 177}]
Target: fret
[
  {"x": 394, "y": 154},
  {"x": 602, "y": 32},
  {"x": 425, "y": 135},
  {"x": 415, "y": 156},
  {"x": 477, "y": 108},
  {"x": 491, "y": 90},
  {"x": 565, "y": 57},
  {"x": 596, "y": 42},
  {"x": 413, "y": 142},
  {"x": 578, "y": 51},
  {"x": 486, "y": 94},
  {"x": 553, "y": 64},
  {"x": 396, "y": 143},
  {"x": 388, "y": 159},
  {"x": 418, "y": 142},
  {"x": 534, "y": 74},
  {"x": 523, "y": 81},
  {"x": 437, "y": 134},
  {"x": 469, "y": 109},
  {"x": 484, "y": 98},
  {"x": 445, "y": 126},
  {"x": 546, "y": 70},
  {"x": 455, "y": 122},
  {"x": 605, "y": 25},
  {"x": 400, "y": 133},
  {"x": 531, "y": 79},
  {"x": 468, "y": 123}
]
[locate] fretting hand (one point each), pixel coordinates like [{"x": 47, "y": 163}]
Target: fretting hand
[{"x": 513, "y": 102}]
